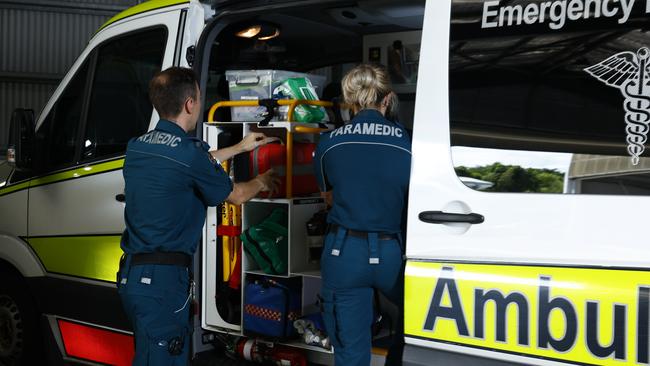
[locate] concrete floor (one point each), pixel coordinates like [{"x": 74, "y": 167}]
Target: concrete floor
[
  {"x": 217, "y": 358},
  {"x": 214, "y": 359}
]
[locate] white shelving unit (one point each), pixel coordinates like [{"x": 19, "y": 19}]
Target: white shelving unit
[{"x": 299, "y": 210}]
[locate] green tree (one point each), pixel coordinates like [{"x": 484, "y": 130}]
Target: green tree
[
  {"x": 514, "y": 178},
  {"x": 550, "y": 181}
]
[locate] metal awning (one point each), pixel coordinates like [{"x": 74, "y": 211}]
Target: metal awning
[{"x": 589, "y": 166}]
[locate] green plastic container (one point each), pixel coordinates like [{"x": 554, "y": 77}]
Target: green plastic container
[{"x": 301, "y": 88}]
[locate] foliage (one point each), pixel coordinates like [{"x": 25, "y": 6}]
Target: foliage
[{"x": 514, "y": 178}]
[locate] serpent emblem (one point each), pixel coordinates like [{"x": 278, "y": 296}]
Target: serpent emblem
[{"x": 629, "y": 72}]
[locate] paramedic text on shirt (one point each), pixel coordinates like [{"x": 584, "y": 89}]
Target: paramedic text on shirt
[
  {"x": 171, "y": 178},
  {"x": 364, "y": 167}
]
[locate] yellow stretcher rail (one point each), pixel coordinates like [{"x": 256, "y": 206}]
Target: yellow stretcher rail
[{"x": 292, "y": 103}]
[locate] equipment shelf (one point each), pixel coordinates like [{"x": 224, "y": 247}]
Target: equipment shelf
[{"x": 298, "y": 209}]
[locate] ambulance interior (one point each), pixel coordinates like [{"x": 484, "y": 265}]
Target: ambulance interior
[{"x": 323, "y": 40}]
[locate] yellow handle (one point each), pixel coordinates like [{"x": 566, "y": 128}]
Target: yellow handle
[
  {"x": 289, "y": 169},
  {"x": 292, "y": 103},
  {"x": 225, "y": 240},
  {"x": 305, "y": 129},
  {"x": 230, "y": 103}
]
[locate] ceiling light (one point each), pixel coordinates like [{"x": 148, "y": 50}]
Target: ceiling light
[
  {"x": 249, "y": 32},
  {"x": 266, "y": 38}
]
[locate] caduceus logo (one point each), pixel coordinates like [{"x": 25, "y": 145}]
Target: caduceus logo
[{"x": 630, "y": 73}]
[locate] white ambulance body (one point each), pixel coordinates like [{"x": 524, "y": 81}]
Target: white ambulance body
[{"x": 513, "y": 272}]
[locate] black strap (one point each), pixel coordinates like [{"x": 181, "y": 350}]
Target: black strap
[
  {"x": 164, "y": 258},
  {"x": 270, "y": 105}
]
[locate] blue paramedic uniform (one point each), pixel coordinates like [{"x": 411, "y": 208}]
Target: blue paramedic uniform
[
  {"x": 366, "y": 164},
  {"x": 170, "y": 180}
]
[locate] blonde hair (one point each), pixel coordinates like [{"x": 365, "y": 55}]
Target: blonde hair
[{"x": 365, "y": 86}]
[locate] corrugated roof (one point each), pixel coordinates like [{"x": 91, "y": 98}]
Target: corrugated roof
[{"x": 585, "y": 165}]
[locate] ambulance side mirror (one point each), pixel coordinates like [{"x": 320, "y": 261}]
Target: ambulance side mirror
[{"x": 21, "y": 139}]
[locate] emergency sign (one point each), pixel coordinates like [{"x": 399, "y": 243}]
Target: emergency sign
[{"x": 555, "y": 13}]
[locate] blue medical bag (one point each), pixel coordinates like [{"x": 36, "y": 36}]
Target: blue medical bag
[{"x": 271, "y": 306}]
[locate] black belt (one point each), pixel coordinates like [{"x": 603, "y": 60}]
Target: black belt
[
  {"x": 362, "y": 234},
  {"x": 165, "y": 258}
]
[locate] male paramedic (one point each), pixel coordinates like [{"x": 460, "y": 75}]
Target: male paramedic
[
  {"x": 170, "y": 180},
  {"x": 363, "y": 169}
]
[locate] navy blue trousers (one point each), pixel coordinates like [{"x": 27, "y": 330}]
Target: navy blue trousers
[
  {"x": 156, "y": 300},
  {"x": 349, "y": 282}
]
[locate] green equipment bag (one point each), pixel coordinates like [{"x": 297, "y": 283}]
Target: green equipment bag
[
  {"x": 301, "y": 88},
  {"x": 266, "y": 243}
]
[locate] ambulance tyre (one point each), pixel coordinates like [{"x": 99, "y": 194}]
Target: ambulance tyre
[{"x": 19, "y": 340}]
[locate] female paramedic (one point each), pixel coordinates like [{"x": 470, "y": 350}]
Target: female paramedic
[{"x": 363, "y": 169}]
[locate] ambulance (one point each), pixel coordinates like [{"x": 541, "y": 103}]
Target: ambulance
[{"x": 504, "y": 273}]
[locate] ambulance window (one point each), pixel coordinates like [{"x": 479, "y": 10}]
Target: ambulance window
[
  {"x": 550, "y": 98},
  {"x": 119, "y": 106},
  {"x": 57, "y": 135}
]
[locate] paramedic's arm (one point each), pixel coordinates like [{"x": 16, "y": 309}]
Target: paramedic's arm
[
  {"x": 209, "y": 179},
  {"x": 243, "y": 192},
  {"x": 216, "y": 187},
  {"x": 250, "y": 142}
]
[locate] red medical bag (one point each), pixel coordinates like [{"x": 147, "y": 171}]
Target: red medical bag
[{"x": 275, "y": 156}]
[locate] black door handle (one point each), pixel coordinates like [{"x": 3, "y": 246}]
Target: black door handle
[
  {"x": 439, "y": 217},
  {"x": 120, "y": 197}
]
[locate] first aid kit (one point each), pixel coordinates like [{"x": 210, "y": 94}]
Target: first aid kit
[{"x": 271, "y": 307}]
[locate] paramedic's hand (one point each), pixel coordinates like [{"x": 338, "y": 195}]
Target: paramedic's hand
[
  {"x": 269, "y": 181},
  {"x": 253, "y": 140},
  {"x": 244, "y": 191}
]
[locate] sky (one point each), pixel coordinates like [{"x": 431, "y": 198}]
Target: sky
[{"x": 472, "y": 157}]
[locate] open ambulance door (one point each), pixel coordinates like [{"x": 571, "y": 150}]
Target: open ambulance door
[{"x": 523, "y": 272}]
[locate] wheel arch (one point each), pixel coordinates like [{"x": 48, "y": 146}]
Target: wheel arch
[{"x": 16, "y": 254}]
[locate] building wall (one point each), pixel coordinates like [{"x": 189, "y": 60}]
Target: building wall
[{"x": 39, "y": 41}]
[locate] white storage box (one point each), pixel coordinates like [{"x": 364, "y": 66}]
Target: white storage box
[{"x": 259, "y": 84}]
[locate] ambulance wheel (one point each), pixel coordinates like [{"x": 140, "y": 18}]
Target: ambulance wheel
[{"x": 19, "y": 341}]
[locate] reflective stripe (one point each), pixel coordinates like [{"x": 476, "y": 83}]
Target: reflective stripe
[
  {"x": 77, "y": 173},
  {"x": 93, "y": 257},
  {"x": 72, "y": 173},
  {"x": 143, "y": 8},
  {"x": 14, "y": 187}
]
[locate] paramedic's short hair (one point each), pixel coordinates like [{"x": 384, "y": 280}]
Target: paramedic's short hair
[
  {"x": 366, "y": 85},
  {"x": 169, "y": 89}
]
